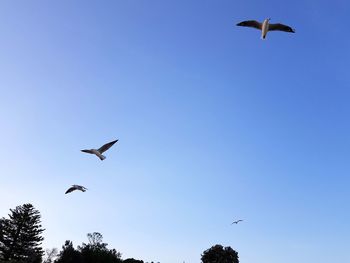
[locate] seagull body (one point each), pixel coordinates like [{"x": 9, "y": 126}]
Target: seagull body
[
  {"x": 266, "y": 26},
  {"x": 76, "y": 187},
  {"x": 98, "y": 152},
  {"x": 236, "y": 222}
]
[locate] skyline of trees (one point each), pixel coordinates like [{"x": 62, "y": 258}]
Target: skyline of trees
[{"x": 21, "y": 242}]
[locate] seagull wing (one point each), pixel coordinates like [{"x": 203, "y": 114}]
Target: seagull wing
[
  {"x": 71, "y": 189},
  {"x": 251, "y": 23},
  {"x": 87, "y": 151},
  {"x": 281, "y": 27},
  {"x": 82, "y": 188},
  {"x": 79, "y": 187},
  {"x": 106, "y": 146}
]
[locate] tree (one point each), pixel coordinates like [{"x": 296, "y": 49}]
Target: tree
[
  {"x": 132, "y": 260},
  {"x": 68, "y": 254},
  {"x": 20, "y": 235},
  {"x": 94, "y": 252},
  {"x": 219, "y": 254},
  {"x": 50, "y": 254},
  {"x": 97, "y": 252}
]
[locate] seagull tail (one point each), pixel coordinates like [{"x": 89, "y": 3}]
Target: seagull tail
[{"x": 102, "y": 157}]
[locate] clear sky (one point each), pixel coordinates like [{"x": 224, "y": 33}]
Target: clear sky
[{"x": 213, "y": 124}]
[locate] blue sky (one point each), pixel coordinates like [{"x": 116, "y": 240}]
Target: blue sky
[{"x": 213, "y": 124}]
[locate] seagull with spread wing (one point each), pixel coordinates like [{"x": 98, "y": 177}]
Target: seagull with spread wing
[
  {"x": 266, "y": 26},
  {"x": 236, "y": 222},
  {"x": 76, "y": 187},
  {"x": 98, "y": 152}
]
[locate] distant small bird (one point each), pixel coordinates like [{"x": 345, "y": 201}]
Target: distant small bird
[
  {"x": 76, "y": 187},
  {"x": 266, "y": 26},
  {"x": 236, "y": 222},
  {"x": 98, "y": 152}
]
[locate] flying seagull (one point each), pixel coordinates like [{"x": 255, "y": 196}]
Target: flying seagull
[
  {"x": 76, "y": 187},
  {"x": 98, "y": 152},
  {"x": 236, "y": 222},
  {"x": 266, "y": 26}
]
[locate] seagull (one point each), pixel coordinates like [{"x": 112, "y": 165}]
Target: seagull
[
  {"x": 266, "y": 26},
  {"x": 98, "y": 152},
  {"x": 76, "y": 187},
  {"x": 236, "y": 222}
]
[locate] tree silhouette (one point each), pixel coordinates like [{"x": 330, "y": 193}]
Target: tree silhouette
[
  {"x": 20, "y": 235},
  {"x": 94, "y": 252},
  {"x": 95, "y": 240},
  {"x": 97, "y": 252},
  {"x": 50, "y": 254},
  {"x": 132, "y": 260},
  {"x": 68, "y": 254},
  {"x": 219, "y": 254}
]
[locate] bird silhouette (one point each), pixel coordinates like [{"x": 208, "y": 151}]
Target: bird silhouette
[
  {"x": 76, "y": 187},
  {"x": 98, "y": 152},
  {"x": 236, "y": 222},
  {"x": 266, "y": 26}
]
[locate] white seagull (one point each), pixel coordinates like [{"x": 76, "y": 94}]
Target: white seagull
[
  {"x": 236, "y": 222},
  {"x": 98, "y": 152},
  {"x": 76, "y": 187},
  {"x": 266, "y": 26}
]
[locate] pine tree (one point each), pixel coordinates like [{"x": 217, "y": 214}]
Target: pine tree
[{"x": 20, "y": 235}]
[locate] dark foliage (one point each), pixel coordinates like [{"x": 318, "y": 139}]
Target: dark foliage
[
  {"x": 97, "y": 252},
  {"x": 219, "y": 254},
  {"x": 94, "y": 252},
  {"x": 132, "y": 260},
  {"x": 68, "y": 254},
  {"x": 20, "y": 235}
]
